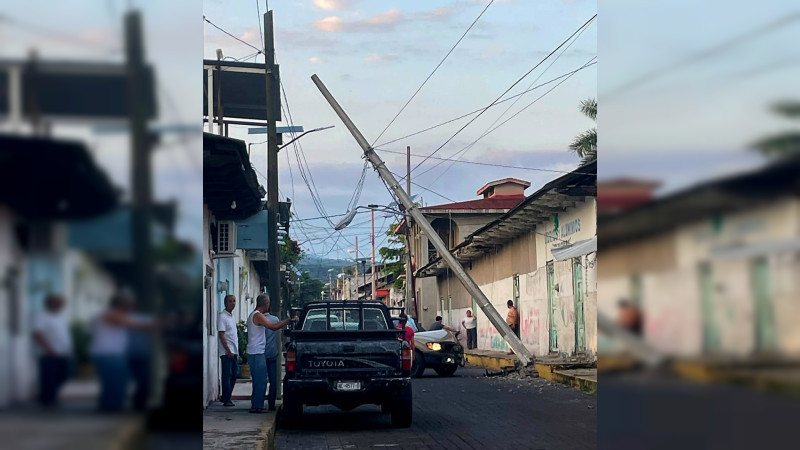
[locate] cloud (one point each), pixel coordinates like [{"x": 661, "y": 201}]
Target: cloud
[
  {"x": 332, "y": 5},
  {"x": 384, "y": 21},
  {"x": 389, "y": 17},
  {"x": 315, "y": 60},
  {"x": 331, "y": 24}
]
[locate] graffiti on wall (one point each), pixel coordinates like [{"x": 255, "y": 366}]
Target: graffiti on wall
[
  {"x": 490, "y": 337},
  {"x": 530, "y": 326}
]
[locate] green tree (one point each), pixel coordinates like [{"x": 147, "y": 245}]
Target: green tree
[
  {"x": 784, "y": 144},
  {"x": 393, "y": 255},
  {"x": 309, "y": 290},
  {"x": 585, "y": 144},
  {"x": 291, "y": 253}
]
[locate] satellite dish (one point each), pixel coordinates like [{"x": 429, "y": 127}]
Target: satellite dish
[{"x": 345, "y": 220}]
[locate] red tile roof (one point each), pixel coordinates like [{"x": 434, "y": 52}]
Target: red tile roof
[{"x": 496, "y": 202}]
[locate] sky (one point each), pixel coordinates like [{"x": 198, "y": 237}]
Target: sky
[{"x": 373, "y": 55}]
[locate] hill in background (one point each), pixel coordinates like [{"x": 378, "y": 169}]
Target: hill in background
[{"x": 318, "y": 267}]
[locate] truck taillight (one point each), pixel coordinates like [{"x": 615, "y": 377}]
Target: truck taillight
[
  {"x": 290, "y": 360},
  {"x": 407, "y": 359}
]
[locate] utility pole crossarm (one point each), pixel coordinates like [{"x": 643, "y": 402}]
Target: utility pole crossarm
[{"x": 525, "y": 357}]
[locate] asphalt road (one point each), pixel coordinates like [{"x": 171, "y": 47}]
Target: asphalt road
[
  {"x": 658, "y": 412},
  {"x": 466, "y": 411}
]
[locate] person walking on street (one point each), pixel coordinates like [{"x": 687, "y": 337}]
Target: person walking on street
[
  {"x": 51, "y": 333},
  {"x": 469, "y": 323},
  {"x": 512, "y": 319},
  {"x": 228, "y": 349},
  {"x": 257, "y": 323},
  {"x": 140, "y": 350}
]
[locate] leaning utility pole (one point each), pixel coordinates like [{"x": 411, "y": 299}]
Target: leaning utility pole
[
  {"x": 273, "y": 251},
  {"x": 525, "y": 356},
  {"x": 141, "y": 177}
]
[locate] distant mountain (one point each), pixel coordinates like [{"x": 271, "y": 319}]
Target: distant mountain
[{"x": 318, "y": 267}]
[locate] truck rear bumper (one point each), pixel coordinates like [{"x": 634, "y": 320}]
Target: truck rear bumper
[{"x": 323, "y": 391}]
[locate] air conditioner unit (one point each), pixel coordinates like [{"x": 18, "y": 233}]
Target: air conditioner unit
[{"x": 226, "y": 237}]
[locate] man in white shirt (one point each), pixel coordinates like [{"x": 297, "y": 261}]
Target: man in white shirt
[
  {"x": 228, "y": 349},
  {"x": 471, "y": 326},
  {"x": 51, "y": 333}
]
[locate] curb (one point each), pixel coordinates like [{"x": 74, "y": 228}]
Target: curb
[{"x": 548, "y": 371}]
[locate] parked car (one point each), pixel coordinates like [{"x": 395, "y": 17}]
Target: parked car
[
  {"x": 438, "y": 350},
  {"x": 346, "y": 354}
]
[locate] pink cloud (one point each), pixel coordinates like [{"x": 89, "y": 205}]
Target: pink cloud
[
  {"x": 331, "y": 24},
  {"x": 331, "y": 5},
  {"x": 388, "y": 17}
]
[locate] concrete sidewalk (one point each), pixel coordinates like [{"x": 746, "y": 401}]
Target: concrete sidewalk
[
  {"x": 577, "y": 371},
  {"x": 234, "y": 427}
]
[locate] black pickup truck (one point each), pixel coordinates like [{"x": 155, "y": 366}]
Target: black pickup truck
[{"x": 347, "y": 353}]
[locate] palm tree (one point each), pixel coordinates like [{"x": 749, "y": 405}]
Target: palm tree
[
  {"x": 585, "y": 144},
  {"x": 786, "y": 144}
]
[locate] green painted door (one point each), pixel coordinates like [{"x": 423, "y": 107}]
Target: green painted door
[
  {"x": 578, "y": 288},
  {"x": 710, "y": 330},
  {"x": 765, "y": 325},
  {"x": 551, "y": 300}
]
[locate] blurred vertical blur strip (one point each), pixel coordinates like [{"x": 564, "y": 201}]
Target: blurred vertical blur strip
[
  {"x": 698, "y": 224},
  {"x": 100, "y": 197}
]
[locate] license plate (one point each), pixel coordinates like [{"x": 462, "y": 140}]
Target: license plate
[{"x": 348, "y": 386}]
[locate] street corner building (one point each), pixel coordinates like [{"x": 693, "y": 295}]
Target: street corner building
[
  {"x": 234, "y": 244},
  {"x": 537, "y": 250},
  {"x": 714, "y": 269}
]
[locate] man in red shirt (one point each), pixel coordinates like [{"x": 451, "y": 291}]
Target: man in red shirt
[{"x": 409, "y": 336}]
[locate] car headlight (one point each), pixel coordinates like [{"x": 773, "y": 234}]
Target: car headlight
[{"x": 435, "y": 346}]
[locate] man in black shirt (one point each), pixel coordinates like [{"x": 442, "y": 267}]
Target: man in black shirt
[{"x": 438, "y": 325}]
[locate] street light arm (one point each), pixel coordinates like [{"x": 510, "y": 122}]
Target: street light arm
[{"x": 303, "y": 134}]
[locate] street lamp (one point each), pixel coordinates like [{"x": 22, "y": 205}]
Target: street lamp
[{"x": 284, "y": 145}]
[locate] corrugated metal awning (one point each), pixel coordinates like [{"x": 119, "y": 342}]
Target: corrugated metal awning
[
  {"x": 757, "y": 249},
  {"x": 579, "y": 248}
]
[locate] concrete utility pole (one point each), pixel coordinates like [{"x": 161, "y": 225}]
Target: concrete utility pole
[
  {"x": 274, "y": 252},
  {"x": 141, "y": 177},
  {"x": 525, "y": 357},
  {"x": 372, "y": 239}
]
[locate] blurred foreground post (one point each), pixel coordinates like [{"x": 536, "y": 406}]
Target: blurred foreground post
[{"x": 141, "y": 175}]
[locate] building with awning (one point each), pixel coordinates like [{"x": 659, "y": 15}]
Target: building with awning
[
  {"x": 44, "y": 184},
  {"x": 541, "y": 254},
  {"x": 713, "y": 267}
]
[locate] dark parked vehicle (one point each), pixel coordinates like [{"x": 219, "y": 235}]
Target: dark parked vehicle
[
  {"x": 438, "y": 350},
  {"x": 347, "y": 354}
]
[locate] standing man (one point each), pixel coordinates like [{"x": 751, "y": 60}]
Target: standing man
[
  {"x": 51, "y": 333},
  {"x": 471, "y": 326},
  {"x": 257, "y": 324},
  {"x": 512, "y": 319},
  {"x": 228, "y": 349},
  {"x": 140, "y": 347}
]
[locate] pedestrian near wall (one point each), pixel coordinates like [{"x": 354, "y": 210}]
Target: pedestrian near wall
[
  {"x": 260, "y": 368},
  {"x": 228, "y": 349},
  {"x": 512, "y": 319},
  {"x": 470, "y": 324},
  {"x": 51, "y": 333}
]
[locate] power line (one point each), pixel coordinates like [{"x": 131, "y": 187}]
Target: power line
[
  {"x": 486, "y": 133},
  {"x": 258, "y": 50},
  {"x": 460, "y": 154},
  {"x": 506, "y": 91},
  {"x": 485, "y": 164},
  {"x": 427, "y": 189},
  {"x": 434, "y": 71},
  {"x": 700, "y": 56},
  {"x": 479, "y": 109}
]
